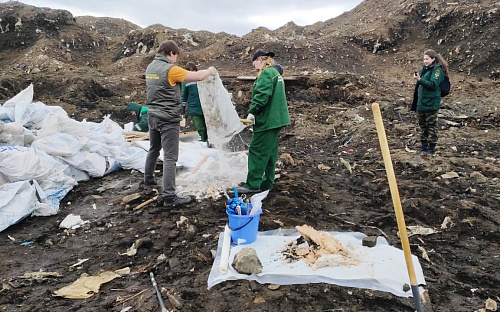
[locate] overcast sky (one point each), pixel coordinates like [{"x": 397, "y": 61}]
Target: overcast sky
[{"x": 233, "y": 17}]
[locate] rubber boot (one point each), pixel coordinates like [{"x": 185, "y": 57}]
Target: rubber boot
[{"x": 425, "y": 147}]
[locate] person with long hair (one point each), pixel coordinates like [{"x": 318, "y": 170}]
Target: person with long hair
[
  {"x": 269, "y": 113},
  {"x": 429, "y": 98}
]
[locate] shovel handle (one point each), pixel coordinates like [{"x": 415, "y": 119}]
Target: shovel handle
[{"x": 391, "y": 177}]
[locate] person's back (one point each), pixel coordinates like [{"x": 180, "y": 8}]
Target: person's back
[
  {"x": 191, "y": 96},
  {"x": 141, "y": 114}
]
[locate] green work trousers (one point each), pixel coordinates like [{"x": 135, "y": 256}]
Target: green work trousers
[
  {"x": 262, "y": 157},
  {"x": 201, "y": 127}
]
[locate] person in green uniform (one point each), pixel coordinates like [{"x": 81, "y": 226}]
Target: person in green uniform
[
  {"x": 141, "y": 114},
  {"x": 191, "y": 97},
  {"x": 269, "y": 113},
  {"x": 429, "y": 98}
]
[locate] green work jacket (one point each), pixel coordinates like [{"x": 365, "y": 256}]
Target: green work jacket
[
  {"x": 269, "y": 104},
  {"x": 429, "y": 93}
]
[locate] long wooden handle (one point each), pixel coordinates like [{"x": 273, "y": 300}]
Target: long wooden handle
[{"x": 393, "y": 186}]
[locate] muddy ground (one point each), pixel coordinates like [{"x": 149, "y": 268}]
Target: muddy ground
[
  {"x": 334, "y": 71},
  {"x": 461, "y": 272}
]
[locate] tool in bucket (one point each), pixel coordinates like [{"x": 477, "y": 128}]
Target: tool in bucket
[{"x": 243, "y": 225}]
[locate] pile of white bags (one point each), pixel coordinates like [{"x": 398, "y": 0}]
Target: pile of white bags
[{"x": 44, "y": 153}]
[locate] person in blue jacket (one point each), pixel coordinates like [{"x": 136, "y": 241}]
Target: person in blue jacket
[{"x": 141, "y": 114}]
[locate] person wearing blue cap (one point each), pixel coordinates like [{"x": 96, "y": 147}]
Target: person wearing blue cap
[{"x": 269, "y": 113}]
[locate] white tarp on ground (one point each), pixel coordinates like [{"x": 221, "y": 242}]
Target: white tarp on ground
[
  {"x": 42, "y": 144},
  {"x": 382, "y": 267}
]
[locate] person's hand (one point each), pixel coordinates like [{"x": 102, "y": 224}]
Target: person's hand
[
  {"x": 212, "y": 70},
  {"x": 416, "y": 76},
  {"x": 252, "y": 118}
]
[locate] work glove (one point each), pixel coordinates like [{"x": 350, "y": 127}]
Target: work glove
[
  {"x": 252, "y": 118},
  {"x": 212, "y": 70}
]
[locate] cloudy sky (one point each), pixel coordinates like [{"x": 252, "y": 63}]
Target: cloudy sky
[{"x": 234, "y": 17}]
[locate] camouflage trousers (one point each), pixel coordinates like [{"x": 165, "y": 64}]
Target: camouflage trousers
[{"x": 427, "y": 120}]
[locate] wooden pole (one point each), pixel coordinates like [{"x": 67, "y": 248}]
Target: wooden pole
[{"x": 397, "y": 204}]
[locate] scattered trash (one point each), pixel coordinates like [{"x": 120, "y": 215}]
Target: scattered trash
[
  {"x": 419, "y": 230},
  {"x": 72, "y": 222},
  {"x": 447, "y": 223},
  {"x": 491, "y": 305},
  {"x": 450, "y": 175},
  {"x": 86, "y": 286},
  {"x": 38, "y": 276},
  {"x": 142, "y": 242},
  {"x": 324, "y": 167},
  {"x": 410, "y": 150},
  {"x": 182, "y": 221},
  {"x": 11, "y": 238},
  {"x": 26, "y": 243},
  {"x": 80, "y": 262},
  {"x": 127, "y": 199},
  {"x": 273, "y": 286},
  {"x": 346, "y": 164},
  {"x": 424, "y": 254}
]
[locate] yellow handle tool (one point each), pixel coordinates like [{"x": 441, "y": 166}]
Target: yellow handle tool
[{"x": 397, "y": 204}]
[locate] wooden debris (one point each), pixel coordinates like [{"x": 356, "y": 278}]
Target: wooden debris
[
  {"x": 127, "y": 199},
  {"x": 147, "y": 202},
  {"x": 136, "y": 136},
  {"x": 337, "y": 108}
]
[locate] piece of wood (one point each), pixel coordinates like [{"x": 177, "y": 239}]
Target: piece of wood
[
  {"x": 201, "y": 162},
  {"x": 337, "y": 108},
  {"x": 147, "y": 202}
]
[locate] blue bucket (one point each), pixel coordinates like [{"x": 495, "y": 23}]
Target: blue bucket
[{"x": 243, "y": 228}]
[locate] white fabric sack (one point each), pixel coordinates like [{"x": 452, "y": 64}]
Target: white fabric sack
[
  {"x": 7, "y": 113},
  {"x": 20, "y": 103},
  {"x": 19, "y": 163},
  {"x": 11, "y": 133},
  {"x": 38, "y": 111},
  {"x": 17, "y": 201},
  {"x": 93, "y": 163},
  {"x": 60, "y": 144},
  {"x": 132, "y": 158},
  {"x": 221, "y": 117},
  {"x": 55, "y": 123}
]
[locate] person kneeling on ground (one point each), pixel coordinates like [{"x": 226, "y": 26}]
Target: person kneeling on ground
[{"x": 141, "y": 114}]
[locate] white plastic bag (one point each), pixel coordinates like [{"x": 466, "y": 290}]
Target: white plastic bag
[
  {"x": 60, "y": 144},
  {"x": 221, "y": 117},
  {"x": 20, "y": 103},
  {"x": 17, "y": 201},
  {"x": 93, "y": 163}
]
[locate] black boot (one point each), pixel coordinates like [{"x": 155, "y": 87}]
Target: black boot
[
  {"x": 432, "y": 148},
  {"x": 425, "y": 147}
]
